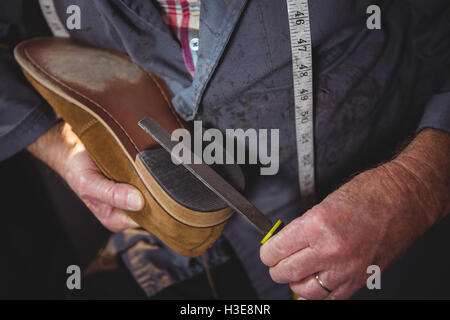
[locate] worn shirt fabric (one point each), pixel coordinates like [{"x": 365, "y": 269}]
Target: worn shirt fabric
[
  {"x": 372, "y": 89},
  {"x": 183, "y": 17}
]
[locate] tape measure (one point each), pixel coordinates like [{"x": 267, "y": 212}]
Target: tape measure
[
  {"x": 301, "y": 47},
  {"x": 51, "y": 16}
]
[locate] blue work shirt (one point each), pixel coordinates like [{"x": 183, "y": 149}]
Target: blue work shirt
[{"x": 373, "y": 89}]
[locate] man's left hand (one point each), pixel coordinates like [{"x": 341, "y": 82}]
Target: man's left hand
[{"x": 371, "y": 220}]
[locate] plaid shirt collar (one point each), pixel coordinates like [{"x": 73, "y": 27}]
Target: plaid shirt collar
[{"x": 183, "y": 17}]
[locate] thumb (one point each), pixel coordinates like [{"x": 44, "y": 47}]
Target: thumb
[{"x": 95, "y": 185}]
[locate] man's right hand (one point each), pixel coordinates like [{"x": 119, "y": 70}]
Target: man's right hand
[{"x": 61, "y": 149}]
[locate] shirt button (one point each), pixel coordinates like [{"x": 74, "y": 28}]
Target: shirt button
[{"x": 193, "y": 44}]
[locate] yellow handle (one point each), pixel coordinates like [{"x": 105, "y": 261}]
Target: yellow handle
[{"x": 271, "y": 232}]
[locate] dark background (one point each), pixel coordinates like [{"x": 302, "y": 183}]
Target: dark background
[{"x": 45, "y": 228}]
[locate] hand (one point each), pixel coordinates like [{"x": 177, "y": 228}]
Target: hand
[
  {"x": 370, "y": 220},
  {"x": 61, "y": 149}
]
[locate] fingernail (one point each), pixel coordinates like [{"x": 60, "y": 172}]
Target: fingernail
[{"x": 134, "y": 201}]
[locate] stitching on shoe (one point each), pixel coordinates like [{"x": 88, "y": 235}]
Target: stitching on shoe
[
  {"x": 80, "y": 94},
  {"x": 86, "y": 127},
  {"x": 33, "y": 61}
]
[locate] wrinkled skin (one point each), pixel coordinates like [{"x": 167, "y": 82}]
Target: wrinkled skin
[
  {"x": 370, "y": 220},
  {"x": 61, "y": 149}
]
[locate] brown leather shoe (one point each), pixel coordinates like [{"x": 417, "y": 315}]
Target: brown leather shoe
[{"x": 102, "y": 94}]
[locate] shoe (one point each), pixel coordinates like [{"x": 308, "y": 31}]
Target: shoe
[{"x": 102, "y": 94}]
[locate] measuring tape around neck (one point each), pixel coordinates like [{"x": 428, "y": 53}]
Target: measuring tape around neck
[
  {"x": 51, "y": 16},
  {"x": 301, "y": 47}
]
